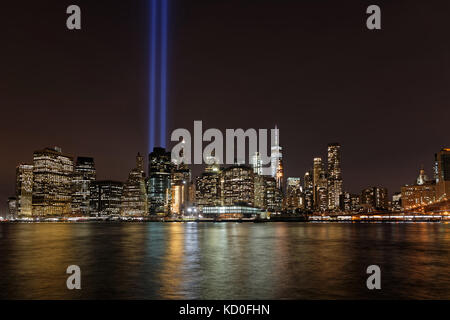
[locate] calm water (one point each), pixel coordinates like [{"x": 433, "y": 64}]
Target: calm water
[{"x": 224, "y": 260}]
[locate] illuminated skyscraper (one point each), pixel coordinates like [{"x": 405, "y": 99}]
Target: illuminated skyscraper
[
  {"x": 83, "y": 175},
  {"x": 105, "y": 198},
  {"x": 317, "y": 170},
  {"x": 181, "y": 179},
  {"x": 134, "y": 196},
  {"x": 334, "y": 176},
  {"x": 276, "y": 159},
  {"x": 159, "y": 182},
  {"x": 443, "y": 185},
  {"x": 374, "y": 199},
  {"x": 294, "y": 200},
  {"x": 52, "y": 179},
  {"x": 140, "y": 164},
  {"x": 257, "y": 163},
  {"x": 24, "y": 189},
  {"x": 12, "y": 207},
  {"x": 273, "y": 196},
  {"x": 308, "y": 184},
  {"x": 237, "y": 186}
]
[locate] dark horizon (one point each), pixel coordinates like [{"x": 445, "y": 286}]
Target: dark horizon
[{"x": 312, "y": 69}]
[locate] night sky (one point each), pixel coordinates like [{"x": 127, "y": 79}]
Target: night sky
[{"x": 311, "y": 67}]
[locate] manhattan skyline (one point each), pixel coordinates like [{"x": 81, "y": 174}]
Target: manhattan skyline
[{"x": 317, "y": 74}]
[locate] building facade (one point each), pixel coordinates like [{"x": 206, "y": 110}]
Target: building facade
[
  {"x": 84, "y": 174},
  {"x": 52, "y": 179},
  {"x": 105, "y": 198},
  {"x": 24, "y": 190}
]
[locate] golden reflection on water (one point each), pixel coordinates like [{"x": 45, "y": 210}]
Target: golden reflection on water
[{"x": 172, "y": 272}]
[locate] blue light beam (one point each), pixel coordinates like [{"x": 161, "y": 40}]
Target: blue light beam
[{"x": 163, "y": 109}]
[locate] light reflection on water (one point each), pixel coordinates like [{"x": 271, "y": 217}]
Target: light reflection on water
[{"x": 224, "y": 260}]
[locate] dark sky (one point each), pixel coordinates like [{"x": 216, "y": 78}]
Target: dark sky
[{"x": 311, "y": 67}]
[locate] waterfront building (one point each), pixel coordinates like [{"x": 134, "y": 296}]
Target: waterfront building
[
  {"x": 317, "y": 171},
  {"x": 105, "y": 198},
  {"x": 422, "y": 193},
  {"x": 396, "y": 205},
  {"x": 276, "y": 159},
  {"x": 134, "y": 196},
  {"x": 294, "y": 199},
  {"x": 52, "y": 179},
  {"x": 12, "y": 207},
  {"x": 273, "y": 195},
  {"x": 231, "y": 212},
  {"x": 181, "y": 178},
  {"x": 350, "y": 202},
  {"x": 207, "y": 189},
  {"x": 24, "y": 189},
  {"x": 159, "y": 182},
  {"x": 443, "y": 183},
  {"x": 334, "y": 172},
  {"x": 256, "y": 163},
  {"x": 237, "y": 186},
  {"x": 308, "y": 184},
  {"x": 84, "y": 174},
  {"x": 260, "y": 191},
  {"x": 374, "y": 199}
]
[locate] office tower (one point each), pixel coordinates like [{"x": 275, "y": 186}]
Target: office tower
[
  {"x": 355, "y": 203},
  {"x": 276, "y": 159},
  {"x": 396, "y": 202},
  {"x": 273, "y": 195},
  {"x": 105, "y": 198},
  {"x": 181, "y": 178},
  {"x": 260, "y": 191},
  {"x": 207, "y": 189},
  {"x": 84, "y": 174},
  {"x": 334, "y": 176},
  {"x": 257, "y": 163},
  {"x": 140, "y": 164},
  {"x": 374, "y": 199},
  {"x": 134, "y": 195},
  {"x": 443, "y": 185},
  {"x": 12, "y": 207},
  {"x": 436, "y": 169},
  {"x": 422, "y": 193},
  {"x": 52, "y": 179},
  {"x": 159, "y": 182},
  {"x": 294, "y": 200},
  {"x": 24, "y": 189},
  {"x": 308, "y": 183},
  {"x": 317, "y": 171},
  {"x": 237, "y": 186}
]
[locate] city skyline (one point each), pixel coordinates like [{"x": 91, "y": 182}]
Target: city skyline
[
  {"x": 57, "y": 185},
  {"x": 314, "y": 73}
]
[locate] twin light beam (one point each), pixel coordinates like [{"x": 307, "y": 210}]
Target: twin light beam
[{"x": 158, "y": 73}]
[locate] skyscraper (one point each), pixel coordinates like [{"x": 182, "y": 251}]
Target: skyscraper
[
  {"x": 159, "y": 181},
  {"x": 443, "y": 185},
  {"x": 308, "y": 183},
  {"x": 52, "y": 178},
  {"x": 237, "y": 186},
  {"x": 317, "y": 170},
  {"x": 334, "y": 176},
  {"x": 276, "y": 159},
  {"x": 134, "y": 195},
  {"x": 83, "y": 175},
  {"x": 24, "y": 189},
  {"x": 181, "y": 179},
  {"x": 374, "y": 199},
  {"x": 105, "y": 198},
  {"x": 294, "y": 200},
  {"x": 207, "y": 189},
  {"x": 257, "y": 163}
]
